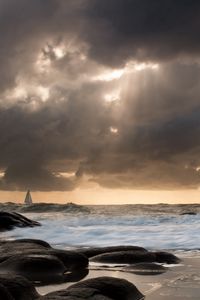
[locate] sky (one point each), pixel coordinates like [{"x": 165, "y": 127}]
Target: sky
[{"x": 100, "y": 100}]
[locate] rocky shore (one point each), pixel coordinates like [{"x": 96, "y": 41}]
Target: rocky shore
[{"x": 27, "y": 265}]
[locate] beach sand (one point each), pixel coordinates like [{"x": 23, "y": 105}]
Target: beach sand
[{"x": 180, "y": 282}]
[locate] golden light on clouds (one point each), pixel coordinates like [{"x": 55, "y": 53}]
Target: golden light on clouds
[
  {"x": 43, "y": 93},
  {"x": 112, "y": 96},
  {"x": 130, "y": 67},
  {"x": 145, "y": 66},
  {"x": 24, "y": 90},
  {"x": 65, "y": 174},
  {"x": 109, "y": 75}
]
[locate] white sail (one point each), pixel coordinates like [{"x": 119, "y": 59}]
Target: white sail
[{"x": 28, "y": 199}]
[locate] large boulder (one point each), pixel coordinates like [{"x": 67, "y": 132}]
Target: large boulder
[
  {"x": 37, "y": 261},
  {"x": 101, "y": 288},
  {"x": 9, "y": 220},
  {"x": 124, "y": 257},
  {"x": 133, "y": 257},
  {"x": 33, "y": 266}
]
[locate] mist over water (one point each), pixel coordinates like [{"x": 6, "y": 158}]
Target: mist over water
[{"x": 152, "y": 226}]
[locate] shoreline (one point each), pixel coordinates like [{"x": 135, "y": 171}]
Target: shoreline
[{"x": 180, "y": 282}]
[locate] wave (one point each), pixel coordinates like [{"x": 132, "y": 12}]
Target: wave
[
  {"x": 72, "y": 230},
  {"x": 72, "y": 225},
  {"x": 44, "y": 207}
]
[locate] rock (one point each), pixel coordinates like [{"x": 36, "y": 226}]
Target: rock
[
  {"x": 16, "y": 288},
  {"x": 145, "y": 269},
  {"x": 11, "y": 248},
  {"x": 124, "y": 257},
  {"x": 102, "y": 288},
  {"x": 38, "y": 262},
  {"x": 34, "y": 267},
  {"x": 166, "y": 257},
  {"x": 191, "y": 213},
  {"x": 10, "y": 220},
  {"x": 71, "y": 259},
  {"x": 114, "y": 288},
  {"x": 90, "y": 252}
]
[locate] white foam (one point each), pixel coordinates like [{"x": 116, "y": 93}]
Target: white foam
[{"x": 151, "y": 231}]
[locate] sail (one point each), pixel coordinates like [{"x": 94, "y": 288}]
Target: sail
[{"x": 28, "y": 199}]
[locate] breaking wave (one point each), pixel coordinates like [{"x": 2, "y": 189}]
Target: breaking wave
[{"x": 151, "y": 226}]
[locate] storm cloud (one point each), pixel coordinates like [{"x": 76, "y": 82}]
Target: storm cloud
[{"x": 99, "y": 91}]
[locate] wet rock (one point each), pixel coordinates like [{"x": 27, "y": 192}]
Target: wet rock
[
  {"x": 125, "y": 257},
  {"x": 33, "y": 267},
  {"x": 114, "y": 288},
  {"x": 16, "y": 288},
  {"x": 8, "y": 221},
  {"x": 9, "y": 249},
  {"x": 145, "y": 269},
  {"x": 71, "y": 259},
  {"x": 38, "y": 262},
  {"x": 166, "y": 257},
  {"x": 102, "y": 288},
  {"x": 90, "y": 252}
]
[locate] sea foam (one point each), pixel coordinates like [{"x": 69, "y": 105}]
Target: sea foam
[{"x": 153, "y": 227}]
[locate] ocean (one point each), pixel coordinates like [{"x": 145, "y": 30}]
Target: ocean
[{"x": 161, "y": 226}]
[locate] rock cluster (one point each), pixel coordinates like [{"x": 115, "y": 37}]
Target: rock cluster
[{"x": 27, "y": 263}]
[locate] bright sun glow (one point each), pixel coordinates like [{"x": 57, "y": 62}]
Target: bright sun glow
[
  {"x": 59, "y": 52},
  {"x": 114, "y": 130}
]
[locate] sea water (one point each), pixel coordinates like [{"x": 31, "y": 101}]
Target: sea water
[{"x": 170, "y": 227}]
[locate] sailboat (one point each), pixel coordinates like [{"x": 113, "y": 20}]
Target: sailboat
[{"x": 28, "y": 198}]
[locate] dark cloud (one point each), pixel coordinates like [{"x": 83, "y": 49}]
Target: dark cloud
[
  {"x": 142, "y": 29},
  {"x": 54, "y": 117}
]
